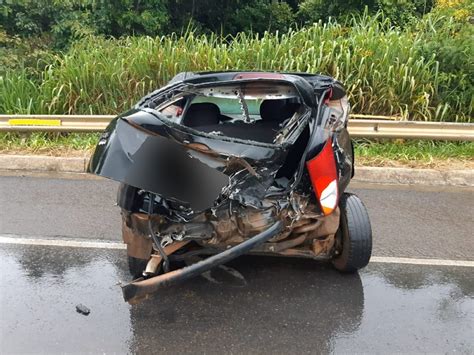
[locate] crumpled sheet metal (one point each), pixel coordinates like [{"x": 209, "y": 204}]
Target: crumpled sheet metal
[
  {"x": 229, "y": 226},
  {"x": 317, "y": 235},
  {"x": 136, "y": 236}
]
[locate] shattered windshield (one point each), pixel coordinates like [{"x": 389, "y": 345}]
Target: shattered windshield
[{"x": 263, "y": 112}]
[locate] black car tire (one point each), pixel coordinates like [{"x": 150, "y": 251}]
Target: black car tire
[
  {"x": 355, "y": 235},
  {"x": 136, "y": 266}
]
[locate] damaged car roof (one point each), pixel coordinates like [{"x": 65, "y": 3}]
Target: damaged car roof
[{"x": 306, "y": 84}]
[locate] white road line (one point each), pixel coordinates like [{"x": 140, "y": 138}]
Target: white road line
[
  {"x": 415, "y": 261},
  {"x": 8, "y": 239},
  {"x": 61, "y": 243}
]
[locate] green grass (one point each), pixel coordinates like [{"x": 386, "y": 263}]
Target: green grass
[
  {"x": 48, "y": 143},
  {"x": 368, "y": 152},
  {"x": 386, "y": 70},
  {"x": 414, "y": 152}
]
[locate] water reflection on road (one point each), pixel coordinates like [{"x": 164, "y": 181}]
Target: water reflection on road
[{"x": 280, "y": 306}]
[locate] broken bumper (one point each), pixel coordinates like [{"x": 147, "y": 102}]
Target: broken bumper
[{"x": 139, "y": 290}]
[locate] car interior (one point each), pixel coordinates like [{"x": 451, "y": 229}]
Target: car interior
[{"x": 263, "y": 127}]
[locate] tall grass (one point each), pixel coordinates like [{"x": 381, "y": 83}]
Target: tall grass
[{"x": 382, "y": 68}]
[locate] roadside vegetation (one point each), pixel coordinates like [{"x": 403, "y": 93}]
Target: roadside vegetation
[
  {"x": 415, "y": 153},
  {"x": 409, "y": 58},
  {"x": 420, "y": 68},
  {"x": 53, "y": 144}
]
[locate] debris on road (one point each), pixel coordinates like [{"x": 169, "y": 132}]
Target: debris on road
[{"x": 80, "y": 308}]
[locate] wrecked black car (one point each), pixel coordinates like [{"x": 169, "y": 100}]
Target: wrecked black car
[{"x": 219, "y": 164}]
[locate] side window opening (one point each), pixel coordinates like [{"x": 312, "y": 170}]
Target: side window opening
[
  {"x": 174, "y": 110},
  {"x": 293, "y": 158}
]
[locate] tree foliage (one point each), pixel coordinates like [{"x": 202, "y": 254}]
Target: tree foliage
[
  {"x": 67, "y": 20},
  {"x": 413, "y": 57}
]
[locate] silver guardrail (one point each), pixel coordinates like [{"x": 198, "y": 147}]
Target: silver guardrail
[
  {"x": 363, "y": 128},
  {"x": 412, "y": 130}
]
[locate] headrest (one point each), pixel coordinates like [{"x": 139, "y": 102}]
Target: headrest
[
  {"x": 201, "y": 114},
  {"x": 277, "y": 110}
]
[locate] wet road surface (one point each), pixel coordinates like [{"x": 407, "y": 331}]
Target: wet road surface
[
  {"x": 254, "y": 304},
  {"x": 257, "y": 305},
  {"x": 407, "y": 221}
]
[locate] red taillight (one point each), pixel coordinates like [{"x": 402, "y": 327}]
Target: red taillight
[{"x": 323, "y": 174}]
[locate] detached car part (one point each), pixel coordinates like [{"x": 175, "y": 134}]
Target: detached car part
[{"x": 227, "y": 163}]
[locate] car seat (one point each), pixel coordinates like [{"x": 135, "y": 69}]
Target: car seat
[
  {"x": 276, "y": 111},
  {"x": 201, "y": 114}
]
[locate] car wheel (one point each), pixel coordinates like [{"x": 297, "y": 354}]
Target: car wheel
[
  {"x": 136, "y": 266},
  {"x": 354, "y": 237}
]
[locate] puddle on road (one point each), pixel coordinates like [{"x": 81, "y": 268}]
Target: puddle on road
[
  {"x": 266, "y": 305},
  {"x": 40, "y": 288}
]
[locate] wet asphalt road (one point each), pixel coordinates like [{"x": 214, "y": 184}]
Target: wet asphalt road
[
  {"x": 420, "y": 222},
  {"x": 277, "y": 306},
  {"x": 256, "y": 304}
]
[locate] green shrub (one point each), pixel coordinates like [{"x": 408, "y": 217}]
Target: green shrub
[
  {"x": 448, "y": 36},
  {"x": 386, "y": 70}
]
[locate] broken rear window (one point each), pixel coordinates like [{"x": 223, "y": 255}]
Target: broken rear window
[{"x": 263, "y": 112}]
